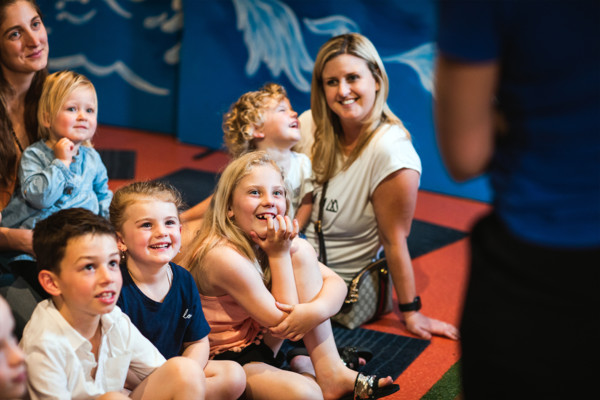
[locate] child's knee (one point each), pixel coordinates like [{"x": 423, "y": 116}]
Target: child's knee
[
  {"x": 305, "y": 255},
  {"x": 184, "y": 372},
  {"x": 231, "y": 376}
]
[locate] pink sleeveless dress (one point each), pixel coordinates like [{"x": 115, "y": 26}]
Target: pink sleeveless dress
[{"x": 231, "y": 327}]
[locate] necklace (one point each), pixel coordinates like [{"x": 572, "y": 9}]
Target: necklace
[
  {"x": 168, "y": 273},
  {"x": 17, "y": 140}
]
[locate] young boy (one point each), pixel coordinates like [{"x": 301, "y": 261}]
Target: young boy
[
  {"x": 78, "y": 345},
  {"x": 264, "y": 120}
]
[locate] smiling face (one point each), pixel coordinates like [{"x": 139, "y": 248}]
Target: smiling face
[
  {"x": 281, "y": 128},
  {"x": 24, "y": 41},
  {"x": 151, "y": 232},
  {"x": 258, "y": 195},
  {"x": 350, "y": 88},
  {"x": 76, "y": 118},
  {"x": 13, "y": 377},
  {"x": 89, "y": 281}
]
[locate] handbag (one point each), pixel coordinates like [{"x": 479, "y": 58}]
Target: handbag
[{"x": 370, "y": 290}]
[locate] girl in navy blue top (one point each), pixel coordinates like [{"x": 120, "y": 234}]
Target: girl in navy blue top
[{"x": 159, "y": 296}]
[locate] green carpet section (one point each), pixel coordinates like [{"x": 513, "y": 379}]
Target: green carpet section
[{"x": 447, "y": 388}]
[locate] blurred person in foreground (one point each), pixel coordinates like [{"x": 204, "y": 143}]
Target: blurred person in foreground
[{"x": 518, "y": 97}]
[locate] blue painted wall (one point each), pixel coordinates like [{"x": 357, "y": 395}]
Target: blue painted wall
[
  {"x": 130, "y": 51},
  {"x": 176, "y": 66}
]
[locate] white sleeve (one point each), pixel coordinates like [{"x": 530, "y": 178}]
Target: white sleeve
[{"x": 307, "y": 133}]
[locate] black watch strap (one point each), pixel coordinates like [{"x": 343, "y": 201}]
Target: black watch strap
[{"x": 414, "y": 306}]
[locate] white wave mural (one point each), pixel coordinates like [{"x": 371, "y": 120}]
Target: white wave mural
[
  {"x": 76, "y": 19},
  {"x": 118, "y": 67},
  {"x": 116, "y": 7},
  {"x": 272, "y": 36},
  {"x": 333, "y": 26},
  {"x": 168, "y": 24},
  {"x": 421, "y": 59},
  {"x": 82, "y": 12}
]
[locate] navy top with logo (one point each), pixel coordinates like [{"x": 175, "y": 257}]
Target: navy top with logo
[{"x": 178, "y": 319}]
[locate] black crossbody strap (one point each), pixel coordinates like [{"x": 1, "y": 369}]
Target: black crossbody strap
[{"x": 319, "y": 226}]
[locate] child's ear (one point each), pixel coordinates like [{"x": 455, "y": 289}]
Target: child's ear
[
  {"x": 257, "y": 133},
  {"x": 46, "y": 120},
  {"x": 120, "y": 243},
  {"x": 48, "y": 280}
]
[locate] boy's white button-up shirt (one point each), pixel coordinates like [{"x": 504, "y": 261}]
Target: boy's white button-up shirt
[{"x": 60, "y": 361}]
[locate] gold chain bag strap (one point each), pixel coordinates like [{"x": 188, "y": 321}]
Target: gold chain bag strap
[{"x": 370, "y": 291}]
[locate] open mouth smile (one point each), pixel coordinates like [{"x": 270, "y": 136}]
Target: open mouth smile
[
  {"x": 107, "y": 297},
  {"x": 265, "y": 215},
  {"x": 160, "y": 246}
]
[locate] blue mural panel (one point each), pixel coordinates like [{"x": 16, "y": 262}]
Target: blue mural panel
[
  {"x": 233, "y": 46},
  {"x": 130, "y": 51}
]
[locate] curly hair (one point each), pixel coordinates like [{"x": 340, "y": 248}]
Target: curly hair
[{"x": 246, "y": 115}]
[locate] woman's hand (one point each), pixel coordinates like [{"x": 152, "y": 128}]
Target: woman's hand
[
  {"x": 16, "y": 239},
  {"x": 425, "y": 327},
  {"x": 301, "y": 319},
  {"x": 281, "y": 231}
]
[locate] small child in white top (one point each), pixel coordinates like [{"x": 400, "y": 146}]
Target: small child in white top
[
  {"x": 264, "y": 120},
  {"x": 78, "y": 345}
]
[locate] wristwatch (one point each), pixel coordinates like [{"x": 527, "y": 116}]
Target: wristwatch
[{"x": 415, "y": 305}]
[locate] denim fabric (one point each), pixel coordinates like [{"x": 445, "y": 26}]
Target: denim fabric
[{"x": 47, "y": 186}]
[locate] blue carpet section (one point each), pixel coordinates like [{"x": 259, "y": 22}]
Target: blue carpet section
[
  {"x": 391, "y": 353},
  {"x": 120, "y": 164},
  {"x": 425, "y": 237},
  {"x": 194, "y": 185}
]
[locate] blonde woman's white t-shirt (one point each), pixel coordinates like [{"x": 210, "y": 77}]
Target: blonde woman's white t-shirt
[
  {"x": 298, "y": 179},
  {"x": 349, "y": 224}
]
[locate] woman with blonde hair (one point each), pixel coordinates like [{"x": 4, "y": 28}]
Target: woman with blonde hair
[{"x": 359, "y": 143}]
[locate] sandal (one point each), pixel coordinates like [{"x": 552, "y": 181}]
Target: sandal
[
  {"x": 366, "y": 387},
  {"x": 349, "y": 354}
]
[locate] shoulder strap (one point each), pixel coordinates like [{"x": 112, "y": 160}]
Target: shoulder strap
[{"x": 319, "y": 226}]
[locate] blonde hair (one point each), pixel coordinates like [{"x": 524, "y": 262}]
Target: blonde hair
[
  {"x": 57, "y": 88},
  {"x": 218, "y": 228},
  {"x": 136, "y": 191},
  {"x": 328, "y": 130},
  {"x": 247, "y": 115}
]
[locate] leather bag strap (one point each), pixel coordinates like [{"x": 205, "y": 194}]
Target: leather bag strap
[{"x": 319, "y": 226}]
